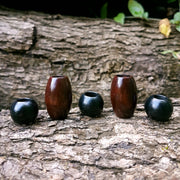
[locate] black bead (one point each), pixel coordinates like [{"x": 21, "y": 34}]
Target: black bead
[
  {"x": 158, "y": 107},
  {"x": 24, "y": 111},
  {"x": 91, "y": 104}
]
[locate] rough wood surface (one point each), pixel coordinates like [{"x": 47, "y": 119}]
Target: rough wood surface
[
  {"x": 95, "y": 149},
  {"x": 34, "y": 46}
]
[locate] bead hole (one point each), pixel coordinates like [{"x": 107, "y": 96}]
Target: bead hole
[
  {"x": 23, "y": 100},
  {"x": 159, "y": 97},
  {"x": 91, "y": 94},
  {"x": 60, "y": 76},
  {"x": 123, "y": 75}
]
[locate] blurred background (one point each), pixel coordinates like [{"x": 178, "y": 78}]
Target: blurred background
[{"x": 92, "y": 8}]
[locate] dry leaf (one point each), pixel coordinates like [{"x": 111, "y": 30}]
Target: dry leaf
[
  {"x": 165, "y": 27},
  {"x": 178, "y": 55}
]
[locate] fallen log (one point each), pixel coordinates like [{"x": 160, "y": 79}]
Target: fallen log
[
  {"x": 34, "y": 46},
  {"x": 91, "y": 148}
]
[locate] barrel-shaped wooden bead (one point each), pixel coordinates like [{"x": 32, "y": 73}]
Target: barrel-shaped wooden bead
[
  {"x": 58, "y": 97},
  {"x": 123, "y": 95}
]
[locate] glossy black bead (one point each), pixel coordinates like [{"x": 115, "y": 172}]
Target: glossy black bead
[
  {"x": 158, "y": 107},
  {"x": 24, "y": 111},
  {"x": 91, "y": 104}
]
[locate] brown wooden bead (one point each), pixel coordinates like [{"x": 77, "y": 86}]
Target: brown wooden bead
[
  {"x": 58, "y": 97},
  {"x": 123, "y": 95}
]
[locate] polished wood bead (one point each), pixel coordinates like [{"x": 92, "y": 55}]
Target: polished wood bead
[
  {"x": 123, "y": 95},
  {"x": 58, "y": 97}
]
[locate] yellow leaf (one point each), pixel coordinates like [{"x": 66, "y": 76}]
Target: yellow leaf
[
  {"x": 165, "y": 27},
  {"x": 178, "y": 55}
]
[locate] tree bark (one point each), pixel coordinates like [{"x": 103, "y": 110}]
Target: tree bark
[
  {"x": 95, "y": 149},
  {"x": 90, "y": 52}
]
